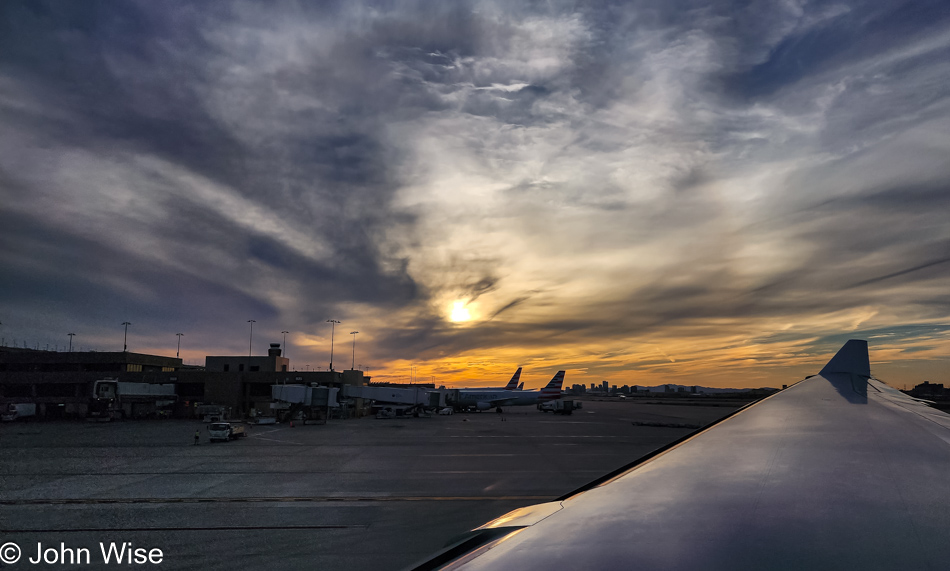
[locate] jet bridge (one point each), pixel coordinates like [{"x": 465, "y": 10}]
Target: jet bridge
[
  {"x": 318, "y": 401},
  {"x": 306, "y": 395},
  {"x": 414, "y": 396},
  {"x": 389, "y": 402},
  {"x": 314, "y": 401}
]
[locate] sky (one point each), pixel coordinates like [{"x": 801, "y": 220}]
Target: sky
[{"x": 716, "y": 193}]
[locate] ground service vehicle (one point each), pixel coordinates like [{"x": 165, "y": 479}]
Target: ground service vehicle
[
  {"x": 18, "y": 410},
  {"x": 211, "y": 412},
  {"x": 226, "y": 431},
  {"x": 559, "y": 406}
]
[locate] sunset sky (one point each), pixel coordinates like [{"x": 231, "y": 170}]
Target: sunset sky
[{"x": 715, "y": 193}]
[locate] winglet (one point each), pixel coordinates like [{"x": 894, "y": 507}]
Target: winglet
[{"x": 852, "y": 359}]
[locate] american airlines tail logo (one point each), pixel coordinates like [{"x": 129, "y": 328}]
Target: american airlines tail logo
[
  {"x": 513, "y": 383},
  {"x": 553, "y": 389}
]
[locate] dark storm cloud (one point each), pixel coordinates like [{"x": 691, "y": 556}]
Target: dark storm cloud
[
  {"x": 56, "y": 283},
  {"x": 76, "y": 63},
  {"x": 133, "y": 80}
]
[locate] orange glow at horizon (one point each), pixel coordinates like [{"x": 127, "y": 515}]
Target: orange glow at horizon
[{"x": 727, "y": 362}]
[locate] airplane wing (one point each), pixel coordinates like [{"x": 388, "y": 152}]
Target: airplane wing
[{"x": 838, "y": 471}]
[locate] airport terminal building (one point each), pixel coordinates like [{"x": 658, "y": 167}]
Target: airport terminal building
[{"x": 61, "y": 383}]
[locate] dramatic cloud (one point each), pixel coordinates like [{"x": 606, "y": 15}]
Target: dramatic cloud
[{"x": 632, "y": 191}]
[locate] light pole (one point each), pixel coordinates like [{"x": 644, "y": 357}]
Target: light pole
[
  {"x": 125, "y": 340},
  {"x": 285, "y": 343},
  {"x": 178, "y": 352},
  {"x": 353, "y": 333},
  {"x": 70, "y": 341},
  {"x": 250, "y": 339},
  {"x": 332, "y": 323}
]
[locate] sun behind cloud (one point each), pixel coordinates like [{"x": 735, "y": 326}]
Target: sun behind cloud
[{"x": 459, "y": 312}]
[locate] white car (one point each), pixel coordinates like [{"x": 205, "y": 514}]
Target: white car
[{"x": 446, "y": 411}]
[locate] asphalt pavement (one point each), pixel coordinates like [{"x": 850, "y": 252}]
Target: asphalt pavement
[{"x": 352, "y": 494}]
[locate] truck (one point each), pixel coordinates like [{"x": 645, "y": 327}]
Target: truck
[
  {"x": 211, "y": 412},
  {"x": 560, "y": 406},
  {"x": 226, "y": 431},
  {"x": 18, "y": 410},
  {"x": 112, "y": 399}
]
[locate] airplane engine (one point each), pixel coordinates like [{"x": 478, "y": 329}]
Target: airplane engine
[{"x": 482, "y": 406}]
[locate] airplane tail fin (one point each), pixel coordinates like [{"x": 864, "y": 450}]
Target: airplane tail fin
[
  {"x": 553, "y": 388},
  {"x": 520, "y": 387},
  {"x": 851, "y": 359},
  {"x": 513, "y": 383}
]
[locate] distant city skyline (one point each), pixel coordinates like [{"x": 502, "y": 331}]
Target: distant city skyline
[{"x": 643, "y": 193}]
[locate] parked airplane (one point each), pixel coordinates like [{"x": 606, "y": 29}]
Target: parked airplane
[
  {"x": 481, "y": 399},
  {"x": 511, "y": 386},
  {"x": 839, "y": 471}
]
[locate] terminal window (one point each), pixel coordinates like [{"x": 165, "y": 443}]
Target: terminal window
[
  {"x": 18, "y": 390},
  {"x": 55, "y": 390},
  {"x": 191, "y": 390},
  {"x": 259, "y": 390}
]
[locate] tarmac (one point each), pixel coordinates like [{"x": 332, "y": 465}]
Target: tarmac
[{"x": 352, "y": 494}]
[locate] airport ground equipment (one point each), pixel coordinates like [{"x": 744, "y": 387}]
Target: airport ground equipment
[
  {"x": 225, "y": 431},
  {"x": 16, "y": 411},
  {"x": 385, "y": 412},
  {"x": 561, "y": 406},
  {"x": 211, "y": 412},
  {"x": 112, "y": 399}
]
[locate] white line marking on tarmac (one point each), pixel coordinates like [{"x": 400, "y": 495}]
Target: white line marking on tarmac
[
  {"x": 556, "y": 436},
  {"x": 267, "y": 432},
  {"x": 276, "y": 439},
  {"x": 470, "y": 455}
]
